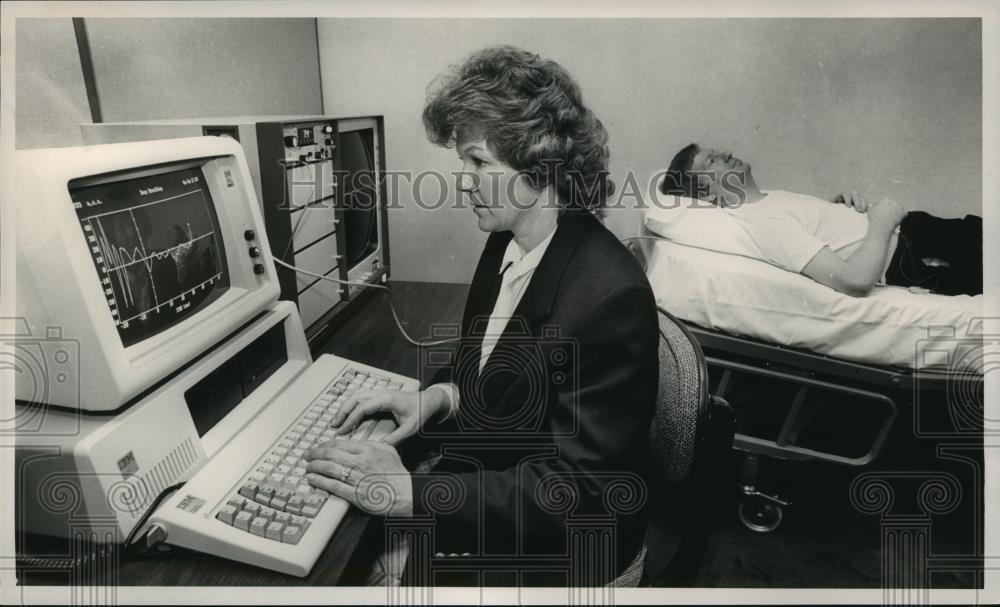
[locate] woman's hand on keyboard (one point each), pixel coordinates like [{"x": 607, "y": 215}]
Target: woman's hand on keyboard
[
  {"x": 368, "y": 474},
  {"x": 411, "y": 410}
]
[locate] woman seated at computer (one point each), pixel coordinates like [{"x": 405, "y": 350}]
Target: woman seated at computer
[{"x": 546, "y": 407}]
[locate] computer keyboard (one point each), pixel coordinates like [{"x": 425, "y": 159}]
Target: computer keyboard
[
  {"x": 251, "y": 502},
  {"x": 275, "y": 501}
]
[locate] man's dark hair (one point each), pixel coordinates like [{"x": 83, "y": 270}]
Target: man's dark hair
[{"x": 678, "y": 180}]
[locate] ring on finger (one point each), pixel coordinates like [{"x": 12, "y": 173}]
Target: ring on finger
[{"x": 345, "y": 473}]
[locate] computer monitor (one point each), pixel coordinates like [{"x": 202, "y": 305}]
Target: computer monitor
[
  {"x": 322, "y": 187},
  {"x": 365, "y": 221},
  {"x": 357, "y": 161},
  {"x": 133, "y": 259}
]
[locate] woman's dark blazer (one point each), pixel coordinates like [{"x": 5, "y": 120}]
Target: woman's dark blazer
[{"x": 549, "y": 446}]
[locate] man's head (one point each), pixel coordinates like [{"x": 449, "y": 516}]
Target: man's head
[{"x": 709, "y": 174}]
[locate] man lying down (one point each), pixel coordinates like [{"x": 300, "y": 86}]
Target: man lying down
[{"x": 849, "y": 244}]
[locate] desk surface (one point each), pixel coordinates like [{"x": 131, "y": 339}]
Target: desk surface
[{"x": 369, "y": 336}]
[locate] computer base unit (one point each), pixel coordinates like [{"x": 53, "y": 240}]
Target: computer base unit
[{"x": 79, "y": 472}]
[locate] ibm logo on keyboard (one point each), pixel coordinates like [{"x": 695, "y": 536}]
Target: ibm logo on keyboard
[{"x": 191, "y": 503}]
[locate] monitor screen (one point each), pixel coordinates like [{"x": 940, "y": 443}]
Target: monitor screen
[
  {"x": 357, "y": 160},
  {"x": 154, "y": 237}
]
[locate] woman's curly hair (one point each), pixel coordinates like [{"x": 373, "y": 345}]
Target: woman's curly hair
[{"x": 531, "y": 113}]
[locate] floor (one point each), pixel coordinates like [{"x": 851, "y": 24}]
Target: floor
[{"x": 824, "y": 540}]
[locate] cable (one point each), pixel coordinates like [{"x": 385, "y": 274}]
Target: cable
[
  {"x": 102, "y": 550},
  {"x": 149, "y": 511},
  {"x": 330, "y": 278},
  {"x": 637, "y": 251},
  {"x": 392, "y": 306},
  {"x": 43, "y": 562},
  {"x": 295, "y": 231},
  {"x": 642, "y": 238}
]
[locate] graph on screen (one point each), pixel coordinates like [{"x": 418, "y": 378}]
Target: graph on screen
[{"x": 156, "y": 247}]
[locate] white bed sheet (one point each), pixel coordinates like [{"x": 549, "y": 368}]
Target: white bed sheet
[{"x": 892, "y": 326}]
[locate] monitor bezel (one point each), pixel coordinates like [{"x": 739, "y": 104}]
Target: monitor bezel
[{"x": 64, "y": 288}]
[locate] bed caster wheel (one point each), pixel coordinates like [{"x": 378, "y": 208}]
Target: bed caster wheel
[{"x": 760, "y": 514}]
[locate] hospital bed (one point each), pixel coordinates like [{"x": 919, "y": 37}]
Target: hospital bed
[{"x": 822, "y": 375}]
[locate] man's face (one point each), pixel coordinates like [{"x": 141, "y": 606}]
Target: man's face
[{"x": 725, "y": 174}]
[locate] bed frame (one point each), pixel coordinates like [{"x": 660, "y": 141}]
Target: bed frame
[
  {"x": 887, "y": 387},
  {"x": 939, "y": 404},
  {"x": 811, "y": 389}
]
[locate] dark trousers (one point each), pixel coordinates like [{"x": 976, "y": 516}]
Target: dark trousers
[{"x": 959, "y": 242}]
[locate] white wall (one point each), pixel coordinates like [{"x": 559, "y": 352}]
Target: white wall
[
  {"x": 148, "y": 69},
  {"x": 889, "y": 107},
  {"x": 50, "y": 99}
]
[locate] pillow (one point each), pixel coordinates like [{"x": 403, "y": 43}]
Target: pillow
[{"x": 697, "y": 223}]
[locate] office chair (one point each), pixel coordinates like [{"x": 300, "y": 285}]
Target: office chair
[{"x": 690, "y": 441}]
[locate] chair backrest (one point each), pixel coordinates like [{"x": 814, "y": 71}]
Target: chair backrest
[
  {"x": 681, "y": 404},
  {"x": 690, "y": 442}
]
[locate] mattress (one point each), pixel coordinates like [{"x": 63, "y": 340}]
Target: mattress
[{"x": 892, "y": 326}]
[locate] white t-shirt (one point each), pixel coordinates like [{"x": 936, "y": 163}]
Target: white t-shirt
[{"x": 789, "y": 229}]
